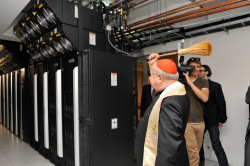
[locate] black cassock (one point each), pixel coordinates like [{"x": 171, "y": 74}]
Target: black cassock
[
  {"x": 146, "y": 98},
  {"x": 247, "y": 144},
  {"x": 172, "y": 149}
]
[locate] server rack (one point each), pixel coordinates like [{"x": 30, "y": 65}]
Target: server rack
[
  {"x": 91, "y": 34},
  {"x": 9, "y": 98},
  {"x": 24, "y": 115},
  {"x": 9, "y": 84},
  {"x": 65, "y": 11},
  {"x": 11, "y": 103},
  {"x": 42, "y": 105},
  {"x": 55, "y": 112},
  {"x": 65, "y": 127},
  {"x": 40, "y": 70},
  {"x": 7, "y": 101},
  {"x": 15, "y": 104},
  {"x": 105, "y": 83},
  {"x": 3, "y": 100},
  {"x": 95, "y": 86},
  {"x": 31, "y": 127},
  {"x": 69, "y": 63}
]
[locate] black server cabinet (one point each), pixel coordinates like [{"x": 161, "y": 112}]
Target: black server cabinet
[
  {"x": 12, "y": 101},
  {"x": 91, "y": 33},
  {"x": 39, "y": 72},
  {"x": 18, "y": 88},
  {"x": 9, "y": 101},
  {"x": 91, "y": 40},
  {"x": 18, "y": 100},
  {"x": 18, "y": 103},
  {"x": 16, "y": 109},
  {"x": 106, "y": 109},
  {"x": 42, "y": 105},
  {"x": 15, "y": 128},
  {"x": 98, "y": 103},
  {"x": 4, "y": 99},
  {"x": 7, "y": 86},
  {"x": 55, "y": 112},
  {"x": 30, "y": 128},
  {"x": 69, "y": 63},
  {"x": 22, "y": 112},
  {"x": 65, "y": 10}
]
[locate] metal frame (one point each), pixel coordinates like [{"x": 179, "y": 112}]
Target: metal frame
[{"x": 169, "y": 34}]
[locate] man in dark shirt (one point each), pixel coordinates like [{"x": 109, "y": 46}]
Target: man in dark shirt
[
  {"x": 160, "y": 137},
  {"x": 214, "y": 115},
  {"x": 197, "y": 90}
]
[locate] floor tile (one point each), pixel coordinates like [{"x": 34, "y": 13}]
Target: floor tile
[{"x": 15, "y": 152}]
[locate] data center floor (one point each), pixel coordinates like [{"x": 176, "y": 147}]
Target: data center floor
[{"x": 15, "y": 152}]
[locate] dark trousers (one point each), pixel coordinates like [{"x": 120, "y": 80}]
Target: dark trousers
[
  {"x": 247, "y": 152},
  {"x": 214, "y": 134},
  {"x": 247, "y": 147}
]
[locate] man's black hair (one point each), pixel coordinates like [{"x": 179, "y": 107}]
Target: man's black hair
[
  {"x": 207, "y": 68},
  {"x": 193, "y": 59}
]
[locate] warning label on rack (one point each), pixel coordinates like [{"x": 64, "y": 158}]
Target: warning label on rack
[
  {"x": 113, "y": 79},
  {"x": 76, "y": 11},
  {"x": 92, "y": 38},
  {"x": 114, "y": 123}
]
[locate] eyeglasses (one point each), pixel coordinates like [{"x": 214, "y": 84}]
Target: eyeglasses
[
  {"x": 202, "y": 70},
  {"x": 194, "y": 59}
]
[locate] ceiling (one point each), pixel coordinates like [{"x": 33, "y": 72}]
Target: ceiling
[{"x": 10, "y": 13}]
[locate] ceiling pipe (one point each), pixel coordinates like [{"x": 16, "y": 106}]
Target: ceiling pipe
[
  {"x": 116, "y": 4},
  {"x": 136, "y": 4},
  {"x": 173, "y": 11},
  {"x": 165, "y": 21},
  {"x": 222, "y": 9},
  {"x": 183, "y": 16}
]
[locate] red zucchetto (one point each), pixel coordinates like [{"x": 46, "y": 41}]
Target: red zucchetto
[{"x": 167, "y": 65}]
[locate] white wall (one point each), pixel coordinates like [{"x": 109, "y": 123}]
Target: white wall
[{"x": 230, "y": 64}]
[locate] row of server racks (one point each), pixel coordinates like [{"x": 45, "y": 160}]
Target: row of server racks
[
  {"x": 75, "y": 103},
  {"x": 75, "y": 110}
]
